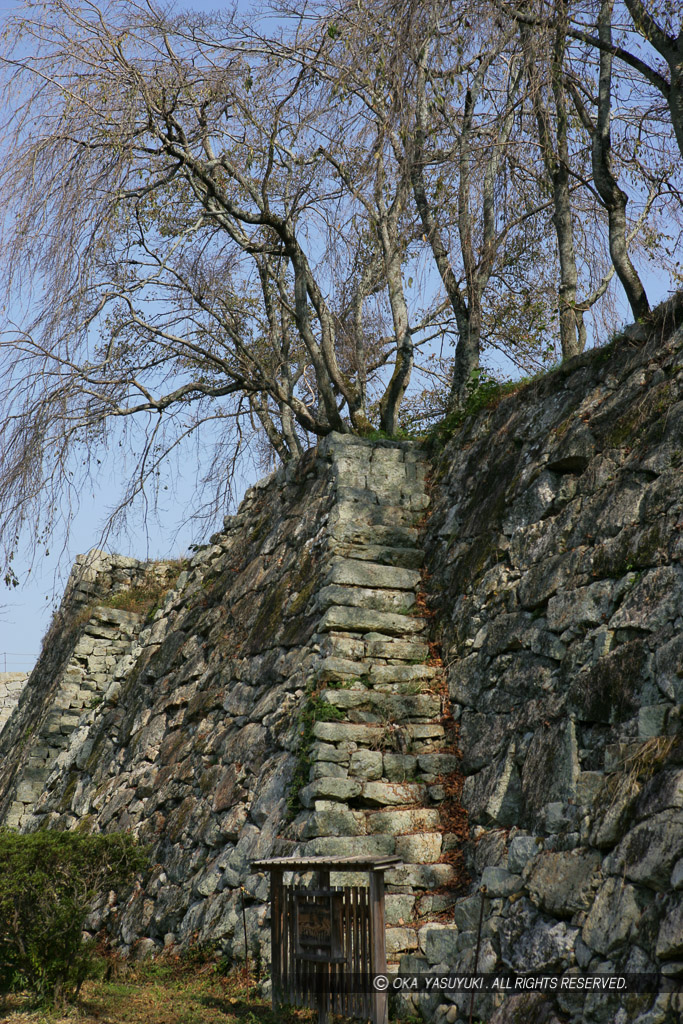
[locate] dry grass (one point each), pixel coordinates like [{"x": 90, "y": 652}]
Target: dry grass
[{"x": 160, "y": 993}]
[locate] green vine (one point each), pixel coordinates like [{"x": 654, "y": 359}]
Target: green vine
[{"x": 314, "y": 710}]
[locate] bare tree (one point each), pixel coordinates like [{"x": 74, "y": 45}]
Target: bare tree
[
  {"x": 243, "y": 237},
  {"x": 171, "y": 197},
  {"x": 613, "y": 197},
  {"x": 661, "y": 27},
  {"x": 442, "y": 85}
]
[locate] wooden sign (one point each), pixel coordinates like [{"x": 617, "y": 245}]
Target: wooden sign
[
  {"x": 318, "y": 926},
  {"x": 326, "y": 941}
]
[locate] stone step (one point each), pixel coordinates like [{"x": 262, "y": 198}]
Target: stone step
[
  {"x": 421, "y": 876},
  {"x": 397, "y": 650},
  {"x": 355, "y": 531},
  {"x": 343, "y": 846},
  {"x": 381, "y": 554},
  {"x": 334, "y": 669},
  {"x": 373, "y": 515},
  {"x": 375, "y": 736},
  {"x": 393, "y": 794},
  {"x": 400, "y": 822},
  {"x": 396, "y": 707},
  {"x": 361, "y": 573},
  {"x": 419, "y": 848},
  {"x": 381, "y": 674},
  {"x": 398, "y": 601},
  {"x": 406, "y": 493},
  {"x": 366, "y": 620}
]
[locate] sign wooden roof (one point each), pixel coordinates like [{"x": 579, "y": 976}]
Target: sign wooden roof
[{"x": 357, "y": 863}]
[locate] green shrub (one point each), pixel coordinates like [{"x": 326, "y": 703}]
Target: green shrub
[{"x": 48, "y": 884}]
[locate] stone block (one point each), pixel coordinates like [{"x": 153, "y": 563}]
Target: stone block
[
  {"x": 399, "y": 767},
  {"x": 400, "y": 940},
  {"x": 393, "y": 793},
  {"x": 648, "y": 852},
  {"x": 347, "y": 732},
  {"x": 521, "y": 850},
  {"x": 326, "y": 769},
  {"x": 528, "y": 943},
  {"x": 662, "y": 792},
  {"x": 564, "y": 883},
  {"x": 419, "y": 848},
  {"x": 439, "y": 942},
  {"x": 670, "y": 937},
  {"x": 613, "y": 919},
  {"x": 656, "y": 597},
  {"x": 349, "y": 846},
  {"x": 399, "y": 822},
  {"x": 400, "y": 650},
  {"x": 652, "y": 721},
  {"x": 337, "y": 670},
  {"x": 329, "y": 789},
  {"x": 500, "y": 882},
  {"x": 366, "y": 620},
  {"x": 356, "y": 573},
  {"x": 494, "y": 795},
  {"x": 398, "y": 908},
  {"x": 329, "y": 752},
  {"x": 588, "y": 785},
  {"x": 438, "y": 764},
  {"x": 551, "y": 766},
  {"x": 421, "y": 876},
  {"x": 466, "y": 913},
  {"x": 366, "y": 764},
  {"x": 677, "y": 875},
  {"x": 381, "y": 674},
  {"x": 397, "y": 601}
]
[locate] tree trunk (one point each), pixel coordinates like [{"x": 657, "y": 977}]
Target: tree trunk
[{"x": 612, "y": 196}]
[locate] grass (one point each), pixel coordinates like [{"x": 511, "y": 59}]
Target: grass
[{"x": 158, "y": 992}]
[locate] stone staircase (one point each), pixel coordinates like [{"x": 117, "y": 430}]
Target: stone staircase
[{"x": 379, "y": 757}]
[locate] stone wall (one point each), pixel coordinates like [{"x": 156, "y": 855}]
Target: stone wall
[
  {"x": 283, "y": 700},
  {"x": 307, "y": 687},
  {"x": 11, "y": 685},
  {"x": 80, "y": 652},
  {"x": 555, "y": 549}
]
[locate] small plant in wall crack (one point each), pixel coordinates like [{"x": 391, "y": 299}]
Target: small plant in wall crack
[{"x": 314, "y": 710}]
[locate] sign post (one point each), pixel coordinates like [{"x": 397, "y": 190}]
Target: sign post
[{"x": 328, "y": 942}]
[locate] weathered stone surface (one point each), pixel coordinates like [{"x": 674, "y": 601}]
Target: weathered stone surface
[
  {"x": 494, "y": 794},
  {"x": 400, "y": 940},
  {"x": 439, "y": 942},
  {"x": 330, "y": 788},
  {"x": 670, "y": 937},
  {"x": 648, "y": 852},
  {"x": 528, "y": 943},
  {"x": 536, "y": 1007},
  {"x": 393, "y": 793},
  {"x": 500, "y": 882},
  {"x": 551, "y": 766},
  {"x": 419, "y": 848},
  {"x": 367, "y": 620},
  {"x": 564, "y": 883},
  {"x": 350, "y": 572},
  {"x": 398, "y": 823},
  {"x": 366, "y": 764},
  {"x": 587, "y": 606},
  {"x": 614, "y": 917},
  {"x": 284, "y": 651},
  {"x": 522, "y": 849},
  {"x": 427, "y": 876}
]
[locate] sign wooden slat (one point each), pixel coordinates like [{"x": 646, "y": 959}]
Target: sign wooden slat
[{"x": 322, "y": 938}]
